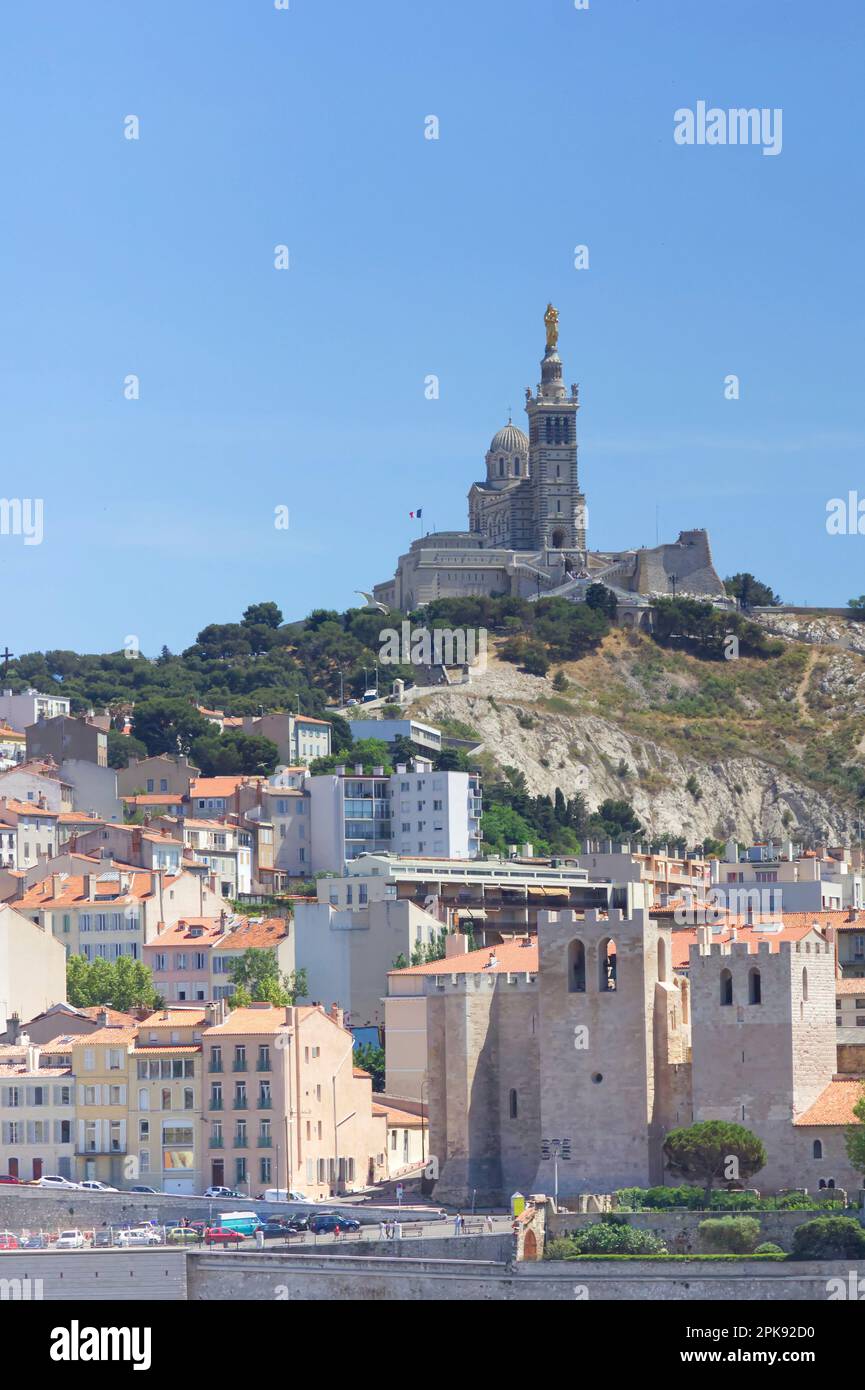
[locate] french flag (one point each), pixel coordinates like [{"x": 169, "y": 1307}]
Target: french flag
[{"x": 418, "y": 513}]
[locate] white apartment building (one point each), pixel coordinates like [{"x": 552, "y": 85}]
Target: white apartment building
[
  {"x": 223, "y": 848},
  {"x": 30, "y": 706},
  {"x": 424, "y": 735},
  {"x": 410, "y": 812}
]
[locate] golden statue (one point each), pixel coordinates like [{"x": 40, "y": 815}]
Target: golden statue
[{"x": 551, "y": 319}]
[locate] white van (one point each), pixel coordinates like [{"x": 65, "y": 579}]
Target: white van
[{"x": 281, "y": 1194}]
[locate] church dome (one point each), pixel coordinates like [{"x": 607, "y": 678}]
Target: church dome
[{"x": 509, "y": 440}]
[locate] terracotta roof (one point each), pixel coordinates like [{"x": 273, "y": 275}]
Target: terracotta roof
[
  {"x": 406, "y": 1118},
  {"x": 28, "y": 808},
  {"x": 510, "y": 957},
  {"x": 686, "y": 937},
  {"x": 92, "y": 1011},
  {"x": 262, "y": 1019},
  {"x": 154, "y": 799},
  {"x": 835, "y": 1105},
  {"x": 218, "y": 786},
  {"x": 181, "y": 933},
  {"x": 152, "y": 1050},
  {"x": 83, "y": 817},
  {"x": 258, "y": 935},
  {"x": 174, "y": 1018},
  {"x": 13, "y": 1071},
  {"x": 116, "y": 1036},
  {"x": 850, "y": 987},
  {"x": 140, "y": 885}
]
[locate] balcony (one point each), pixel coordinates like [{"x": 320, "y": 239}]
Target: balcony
[
  {"x": 240, "y": 1141},
  {"x": 215, "y": 1068},
  {"x": 265, "y": 1102},
  {"x": 216, "y": 1142},
  {"x": 238, "y": 1066},
  {"x": 241, "y": 1103},
  {"x": 265, "y": 1141},
  {"x": 215, "y": 1103},
  {"x": 263, "y": 1065}
]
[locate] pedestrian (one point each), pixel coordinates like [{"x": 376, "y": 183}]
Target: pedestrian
[
  {"x": 458, "y": 1224},
  {"x": 382, "y": 1230},
  {"x": 397, "y": 1230},
  {"x": 259, "y": 1238},
  {"x": 489, "y": 1223}
]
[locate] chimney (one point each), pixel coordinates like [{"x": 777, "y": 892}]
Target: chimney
[
  {"x": 89, "y": 886},
  {"x": 704, "y": 936},
  {"x": 102, "y": 1018},
  {"x": 456, "y": 944},
  {"x": 33, "y": 1057},
  {"x": 358, "y": 768},
  {"x": 13, "y": 1027},
  {"x": 337, "y": 1014},
  {"x": 55, "y": 885}
]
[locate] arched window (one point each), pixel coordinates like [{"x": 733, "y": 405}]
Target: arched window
[
  {"x": 512, "y": 1104},
  {"x": 821, "y": 1183},
  {"x": 576, "y": 968},
  {"x": 516, "y": 468},
  {"x": 501, "y": 468},
  {"x": 831, "y": 1182},
  {"x": 754, "y": 995},
  {"x": 817, "y": 1151},
  {"x": 804, "y": 982},
  {"x": 607, "y": 966},
  {"x": 726, "y": 987},
  {"x": 662, "y": 960}
]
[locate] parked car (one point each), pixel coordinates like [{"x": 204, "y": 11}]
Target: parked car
[
  {"x": 323, "y": 1222},
  {"x": 103, "y": 1237},
  {"x": 8, "y": 1241},
  {"x": 35, "y": 1241},
  {"x": 276, "y": 1227},
  {"x": 70, "y": 1240},
  {"x": 7, "y": 1177},
  {"x": 54, "y": 1180},
  {"x": 139, "y": 1235},
  {"x": 151, "y": 1191},
  {"x": 222, "y": 1192},
  {"x": 183, "y": 1235},
  {"x": 222, "y": 1235},
  {"x": 92, "y": 1185},
  {"x": 281, "y": 1194}
]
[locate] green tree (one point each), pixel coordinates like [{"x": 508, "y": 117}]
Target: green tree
[
  {"x": 264, "y": 614},
  {"x": 122, "y": 984},
  {"x": 854, "y": 1136},
  {"x": 829, "y": 1238},
  {"x": 857, "y": 604},
  {"x": 750, "y": 592},
  {"x": 702, "y": 1153},
  {"x": 616, "y": 820},
  {"x": 600, "y": 597},
  {"x": 370, "y": 1058},
  {"x": 257, "y": 979},
  {"x": 122, "y": 748},
  {"x": 168, "y": 725}
]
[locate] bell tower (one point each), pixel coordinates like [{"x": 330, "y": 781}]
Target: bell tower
[{"x": 558, "y": 506}]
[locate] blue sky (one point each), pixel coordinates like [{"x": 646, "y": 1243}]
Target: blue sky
[{"x": 305, "y": 388}]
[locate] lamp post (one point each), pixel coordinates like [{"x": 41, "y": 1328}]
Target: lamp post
[{"x": 554, "y": 1149}]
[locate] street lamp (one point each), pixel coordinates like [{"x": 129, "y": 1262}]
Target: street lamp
[{"x": 554, "y": 1149}]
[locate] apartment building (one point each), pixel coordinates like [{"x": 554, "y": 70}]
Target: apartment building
[
  {"x": 157, "y": 775},
  {"x": 191, "y": 961},
  {"x": 286, "y": 1106},
  {"x": 31, "y": 706},
  {"x": 37, "y": 1118},
  {"x": 13, "y": 746},
  {"x": 115, "y": 911},
  {"x": 101, "y": 1065},
  {"x": 224, "y": 849},
  {"x": 32, "y": 967},
  {"x": 850, "y": 1003},
  {"x": 29, "y": 831},
  {"x": 165, "y": 1089},
  {"x": 412, "y": 811},
  {"x": 143, "y": 847},
  {"x": 61, "y": 736},
  {"x": 851, "y": 945},
  {"x": 299, "y": 737},
  {"x": 424, "y": 736},
  {"x": 38, "y": 782}
]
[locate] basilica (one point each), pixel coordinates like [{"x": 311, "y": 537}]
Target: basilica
[{"x": 528, "y": 522}]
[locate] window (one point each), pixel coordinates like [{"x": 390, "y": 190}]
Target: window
[
  {"x": 607, "y": 966},
  {"x": 576, "y": 968},
  {"x": 726, "y": 987},
  {"x": 512, "y": 1104},
  {"x": 754, "y": 987},
  {"x": 817, "y": 1151}
]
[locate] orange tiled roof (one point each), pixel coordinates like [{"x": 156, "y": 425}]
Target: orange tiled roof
[
  {"x": 686, "y": 937},
  {"x": 140, "y": 885},
  {"x": 406, "y": 1118},
  {"x": 834, "y": 1106},
  {"x": 181, "y": 933},
  {"x": 218, "y": 786},
  {"x": 92, "y": 1011},
  {"x": 28, "y": 808},
  {"x": 117, "y": 1035},
  {"x": 174, "y": 1018},
  {"x": 510, "y": 956},
  {"x": 850, "y": 987},
  {"x": 262, "y": 1019},
  {"x": 256, "y": 934}
]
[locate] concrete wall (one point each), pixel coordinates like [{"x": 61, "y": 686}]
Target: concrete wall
[
  {"x": 321, "y": 1277},
  {"x": 679, "y": 1229},
  {"x": 97, "y": 1275}
]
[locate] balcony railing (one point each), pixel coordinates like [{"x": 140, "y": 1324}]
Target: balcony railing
[
  {"x": 215, "y": 1103},
  {"x": 215, "y": 1068},
  {"x": 216, "y": 1142},
  {"x": 263, "y": 1065},
  {"x": 265, "y": 1102},
  {"x": 238, "y": 1066},
  {"x": 265, "y": 1141},
  {"x": 240, "y": 1141},
  {"x": 241, "y": 1103}
]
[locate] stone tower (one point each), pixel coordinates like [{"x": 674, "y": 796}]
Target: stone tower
[
  {"x": 763, "y": 1038},
  {"x": 558, "y": 506},
  {"x": 602, "y": 980}
]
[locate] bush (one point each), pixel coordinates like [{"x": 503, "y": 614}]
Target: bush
[
  {"x": 768, "y": 1248},
  {"x": 829, "y": 1238},
  {"x": 609, "y": 1238},
  {"x": 730, "y": 1235}
]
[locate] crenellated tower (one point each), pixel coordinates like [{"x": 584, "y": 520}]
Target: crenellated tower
[{"x": 558, "y": 506}]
